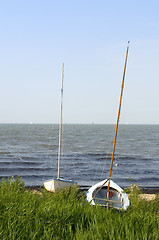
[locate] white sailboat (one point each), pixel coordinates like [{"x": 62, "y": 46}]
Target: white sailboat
[
  {"x": 107, "y": 193},
  {"x": 58, "y": 183},
  {"x": 97, "y": 194}
]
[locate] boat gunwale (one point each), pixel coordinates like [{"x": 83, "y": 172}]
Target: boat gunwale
[{"x": 60, "y": 179}]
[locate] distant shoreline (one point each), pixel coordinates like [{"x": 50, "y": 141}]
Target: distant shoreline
[{"x": 123, "y": 124}]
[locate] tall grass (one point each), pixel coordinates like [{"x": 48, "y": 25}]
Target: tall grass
[{"x": 66, "y": 215}]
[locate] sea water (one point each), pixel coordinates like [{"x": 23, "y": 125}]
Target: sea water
[{"x": 31, "y": 151}]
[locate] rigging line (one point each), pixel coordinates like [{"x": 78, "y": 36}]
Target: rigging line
[
  {"x": 106, "y": 159},
  {"x": 62, "y": 157},
  {"x": 107, "y": 156},
  {"x": 103, "y": 169},
  {"x": 104, "y": 182},
  {"x": 97, "y": 169},
  {"x": 62, "y": 119},
  {"x": 59, "y": 153},
  {"x": 101, "y": 187},
  {"x": 98, "y": 160}
]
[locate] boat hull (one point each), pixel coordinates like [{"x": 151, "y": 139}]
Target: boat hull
[
  {"x": 53, "y": 185},
  {"x": 117, "y": 198}
]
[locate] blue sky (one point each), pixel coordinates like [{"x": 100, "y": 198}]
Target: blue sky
[{"x": 90, "y": 37}]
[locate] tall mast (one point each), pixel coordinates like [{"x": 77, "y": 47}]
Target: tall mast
[
  {"x": 60, "y": 127},
  {"x": 121, "y": 94}
]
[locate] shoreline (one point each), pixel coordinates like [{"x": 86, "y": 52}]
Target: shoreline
[
  {"x": 144, "y": 190},
  {"x": 148, "y": 194}
]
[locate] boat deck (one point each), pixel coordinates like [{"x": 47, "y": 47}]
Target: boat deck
[{"x": 115, "y": 198}]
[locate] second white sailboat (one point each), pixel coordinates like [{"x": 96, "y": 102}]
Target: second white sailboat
[{"x": 58, "y": 183}]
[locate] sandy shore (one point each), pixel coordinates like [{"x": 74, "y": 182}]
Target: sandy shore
[
  {"x": 144, "y": 190},
  {"x": 147, "y": 194},
  {"x": 148, "y": 197}
]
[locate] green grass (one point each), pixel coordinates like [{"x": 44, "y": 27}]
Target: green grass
[{"x": 66, "y": 215}]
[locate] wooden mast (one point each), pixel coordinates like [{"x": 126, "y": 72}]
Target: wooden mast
[
  {"x": 122, "y": 86},
  {"x": 59, "y": 153}
]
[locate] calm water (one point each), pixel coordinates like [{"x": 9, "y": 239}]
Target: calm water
[{"x": 31, "y": 152}]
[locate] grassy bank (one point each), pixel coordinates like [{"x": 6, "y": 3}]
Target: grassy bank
[{"x": 66, "y": 215}]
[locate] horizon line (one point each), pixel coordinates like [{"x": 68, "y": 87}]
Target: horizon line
[{"x": 36, "y": 123}]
